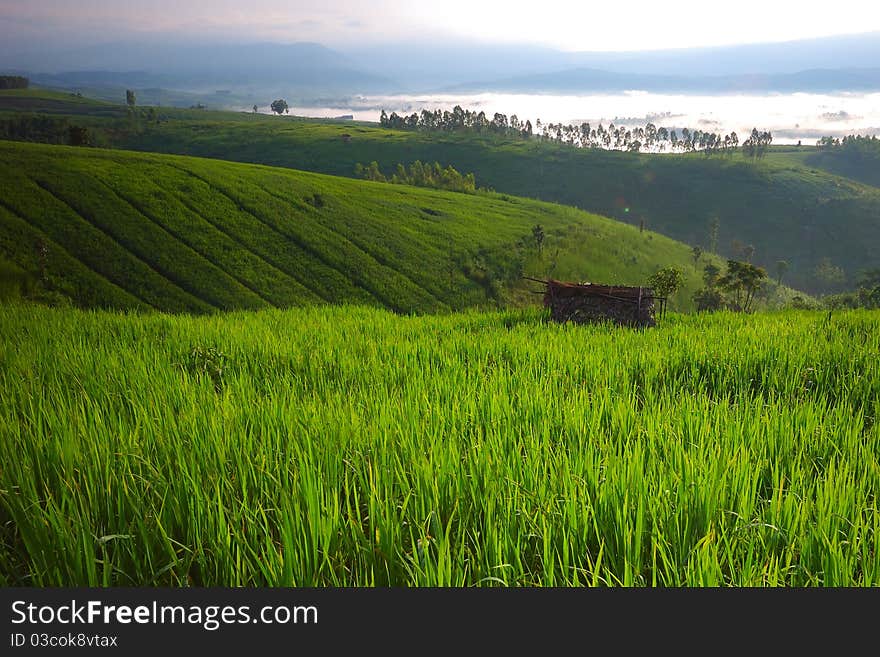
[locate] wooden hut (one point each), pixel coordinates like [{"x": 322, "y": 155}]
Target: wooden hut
[{"x": 586, "y": 303}]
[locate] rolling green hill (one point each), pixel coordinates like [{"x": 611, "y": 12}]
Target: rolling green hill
[
  {"x": 132, "y": 230},
  {"x": 787, "y": 209},
  {"x": 859, "y": 161},
  {"x": 56, "y": 102}
]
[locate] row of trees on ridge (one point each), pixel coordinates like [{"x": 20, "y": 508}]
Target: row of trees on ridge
[
  {"x": 421, "y": 175},
  {"x": 649, "y": 138}
]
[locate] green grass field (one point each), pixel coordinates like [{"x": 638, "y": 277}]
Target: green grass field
[
  {"x": 129, "y": 230},
  {"x": 351, "y": 446}
]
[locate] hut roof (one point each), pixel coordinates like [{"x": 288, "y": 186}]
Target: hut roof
[{"x": 564, "y": 289}]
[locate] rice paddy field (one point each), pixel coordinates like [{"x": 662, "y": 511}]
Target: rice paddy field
[{"x": 348, "y": 446}]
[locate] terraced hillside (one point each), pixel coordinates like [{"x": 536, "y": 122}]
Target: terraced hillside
[
  {"x": 788, "y": 208},
  {"x": 789, "y": 211},
  {"x": 129, "y": 230}
]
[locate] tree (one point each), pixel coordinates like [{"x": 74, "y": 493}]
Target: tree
[
  {"x": 279, "y": 106},
  {"x": 708, "y": 299},
  {"x": 830, "y": 275},
  {"x": 13, "y": 82},
  {"x": 743, "y": 280},
  {"x": 781, "y": 268},
  {"x": 666, "y": 281},
  {"x": 538, "y": 236},
  {"x": 757, "y": 143},
  {"x": 714, "y": 227},
  {"x": 697, "y": 253},
  {"x": 369, "y": 172},
  {"x": 711, "y": 273},
  {"x": 255, "y": 109},
  {"x": 870, "y": 278},
  {"x": 79, "y": 136},
  {"x": 130, "y": 98}
]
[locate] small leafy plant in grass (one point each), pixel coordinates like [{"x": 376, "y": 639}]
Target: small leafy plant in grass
[
  {"x": 207, "y": 362},
  {"x": 316, "y": 201}
]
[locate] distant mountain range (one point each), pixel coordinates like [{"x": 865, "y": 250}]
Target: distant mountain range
[
  {"x": 432, "y": 65},
  {"x": 592, "y": 80},
  {"x": 203, "y": 68},
  {"x": 310, "y": 69}
]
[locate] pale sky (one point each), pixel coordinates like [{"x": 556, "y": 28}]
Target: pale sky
[{"x": 566, "y": 25}]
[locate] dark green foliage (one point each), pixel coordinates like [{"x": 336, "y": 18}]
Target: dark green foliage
[
  {"x": 781, "y": 267},
  {"x": 79, "y": 136},
  {"x": 757, "y": 143},
  {"x": 709, "y": 299},
  {"x": 866, "y": 296},
  {"x": 714, "y": 228},
  {"x": 711, "y": 273},
  {"x": 870, "y": 278},
  {"x": 316, "y": 201},
  {"x": 15, "y": 283},
  {"x": 742, "y": 281},
  {"x": 420, "y": 175},
  {"x": 861, "y": 298},
  {"x": 666, "y": 281},
  {"x": 798, "y": 302},
  {"x": 279, "y": 106},
  {"x": 36, "y": 128},
  {"x": 854, "y": 156},
  {"x": 207, "y": 362},
  {"x": 736, "y": 290},
  {"x": 621, "y": 138},
  {"x": 494, "y": 270},
  {"x": 829, "y": 276},
  {"x": 13, "y": 82},
  {"x": 538, "y": 235},
  {"x": 458, "y": 120}
]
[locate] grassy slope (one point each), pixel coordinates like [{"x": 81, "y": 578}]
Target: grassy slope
[
  {"x": 863, "y": 167},
  {"x": 352, "y": 447},
  {"x": 788, "y": 210},
  {"x": 129, "y": 229},
  {"x": 41, "y": 101}
]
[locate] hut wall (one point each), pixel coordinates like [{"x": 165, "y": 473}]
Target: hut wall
[{"x": 581, "y": 305}]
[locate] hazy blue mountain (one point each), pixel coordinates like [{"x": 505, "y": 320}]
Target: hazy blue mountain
[
  {"x": 202, "y": 67},
  {"x": 850, "y": 51},
  {"x": 430, "y": 66},
  {"x": 583, "y": 80},
  {"x": 313, "y": 70}
]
